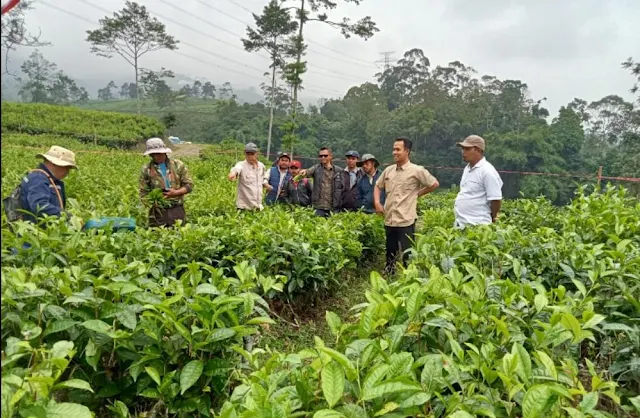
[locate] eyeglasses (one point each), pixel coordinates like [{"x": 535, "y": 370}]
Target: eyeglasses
[{"x": 323, "y": 155}]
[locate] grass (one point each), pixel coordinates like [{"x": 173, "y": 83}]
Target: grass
[{"x": 296, "y": 327}]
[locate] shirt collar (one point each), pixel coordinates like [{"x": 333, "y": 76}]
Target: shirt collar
[
  {"x": 42, "y": 166},
  {"x": 403, "y": 166},
  {"x": 478, "y": 164}
]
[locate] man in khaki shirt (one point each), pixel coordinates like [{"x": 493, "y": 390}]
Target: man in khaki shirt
[
  {"x": 250, "y": 173},
  {"x": 403, "y": 183}
]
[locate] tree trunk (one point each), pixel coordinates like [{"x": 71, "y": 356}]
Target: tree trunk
[
  {"x": 294, "y": 106},
  {"x": 135, "y": 66},
  {"x": 273, "y": 88}
]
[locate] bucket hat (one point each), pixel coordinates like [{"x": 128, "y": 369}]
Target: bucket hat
[
  {"x": 368, "y": 157},
  {"x": 156, "y": 146},
  {"x": 59, "y": 156}
]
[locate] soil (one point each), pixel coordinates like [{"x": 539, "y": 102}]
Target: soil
[{"x": 187, "y": 150}]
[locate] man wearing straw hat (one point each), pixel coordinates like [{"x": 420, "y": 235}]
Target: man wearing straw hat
[
  {"x": 42, "y": 191},
  {"x": 169, "y": 175}
]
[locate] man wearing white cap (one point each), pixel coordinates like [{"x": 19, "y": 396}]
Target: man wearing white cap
[
  {"x": 480, "y": 196},
  {"x": 169, "y": 175},
  {"x": 42, "y": 191}
]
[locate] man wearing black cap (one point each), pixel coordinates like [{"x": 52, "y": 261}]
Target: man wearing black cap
[
  {"x": 350, "y": 178},
  {"x": 276, "y": 178}
]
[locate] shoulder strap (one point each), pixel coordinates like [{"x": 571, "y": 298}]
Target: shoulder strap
[{"x": 53, "y": 184}]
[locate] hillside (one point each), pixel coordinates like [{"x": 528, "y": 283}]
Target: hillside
[{"x": 112, "y": 129}]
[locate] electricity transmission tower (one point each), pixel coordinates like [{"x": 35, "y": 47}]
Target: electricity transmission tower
[{"x": 386, "y": 60}]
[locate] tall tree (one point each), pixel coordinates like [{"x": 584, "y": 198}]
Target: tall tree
[
  {"x": 226, "y": 91},
  {"x": 273, "y": 28},
  {"x": 15, "y": 33},
  {"x": 208, "y": 90},
  {"x": 634, "y": 67},
  {"x": 130, "y": 33},
  {"x": 155, "y": 87},
  {"x": 45, "y": 84},
  {"x": 364, "y": 28},
  {"x": 106, "y": 93}
]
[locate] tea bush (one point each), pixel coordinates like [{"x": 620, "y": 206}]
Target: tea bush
[
  {"x": 536, "y": 315},
  {"x": 112, "y": 129},
  {"x": 517, "y": 319}
]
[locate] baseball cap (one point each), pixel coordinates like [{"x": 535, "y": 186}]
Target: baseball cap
[
  {"x": 352, "y": 154},
  {"x": 295, "y": 164},
  {"x": 472, "y": 141},
  {"x": 284, "y": 155},
  {"x": 368, "y": 157},
  {"x": 251, "y": 147}
]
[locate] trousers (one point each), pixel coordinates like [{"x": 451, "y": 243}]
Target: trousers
[
  {"x": 399, "y": 240},
  {"x": 166, "y": 216}
]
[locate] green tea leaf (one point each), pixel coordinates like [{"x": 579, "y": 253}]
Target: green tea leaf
[
  {"x": 68, "y": 410},
  {"x": 75, "y": 384},
  {"x": 589, "y": 401},
  {"x": 538, "y": 400},
  {"x": 334, "y": 323},
  {"x": 190, "y": 374},
  {"x": 59, "y": 326},
  {"x": 387, "y": 388},
  {"x": 153, "y": 373},
  {"x": 332, "y": 383}
]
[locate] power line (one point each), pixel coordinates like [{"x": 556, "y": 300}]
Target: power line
[
  {"x": 360, "y": 62},
  {"x": 317, "y": 89},
  {"x": 344, "y": 76}
]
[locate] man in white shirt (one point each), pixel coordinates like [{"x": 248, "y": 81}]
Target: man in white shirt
[
  {"x": 250, "y": 173},
  {"x": 480, "y": 196}
]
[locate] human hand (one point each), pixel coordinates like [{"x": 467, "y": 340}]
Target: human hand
[
  {"x": 379, "y": 208},
  {"x": 171, "y": 193}
]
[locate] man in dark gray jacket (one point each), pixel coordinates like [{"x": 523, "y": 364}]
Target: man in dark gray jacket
[{"x": 326, "y": 196}]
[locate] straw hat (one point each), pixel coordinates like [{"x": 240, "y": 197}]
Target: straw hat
[
  {"x": 156, "y": 146},
  {"x": 59, "y": 156}
]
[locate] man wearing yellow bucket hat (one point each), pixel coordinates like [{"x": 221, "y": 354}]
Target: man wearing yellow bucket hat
[{"x": 42, "y": 191}]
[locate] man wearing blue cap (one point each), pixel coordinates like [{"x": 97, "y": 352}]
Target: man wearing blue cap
[{"x": 351, "y": 176}]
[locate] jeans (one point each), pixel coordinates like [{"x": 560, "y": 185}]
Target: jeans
[{"x": 398, "y": 241}]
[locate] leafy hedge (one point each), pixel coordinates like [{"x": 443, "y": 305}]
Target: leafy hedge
[
  {"x": 112, "y": 129},
  {"x": 516, "y": 320}
]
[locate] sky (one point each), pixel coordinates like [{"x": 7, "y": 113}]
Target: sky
[{"x": 562, "y": 49}]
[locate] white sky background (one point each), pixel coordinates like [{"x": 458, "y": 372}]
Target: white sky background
[{"x": 561, "y": 48}]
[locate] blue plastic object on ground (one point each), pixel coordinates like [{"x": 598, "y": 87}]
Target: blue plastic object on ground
[{"x": 117, "y": 224}]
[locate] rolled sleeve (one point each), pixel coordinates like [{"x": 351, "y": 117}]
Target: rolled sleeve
[
  {"x": 311, "y": 171},
  {"x": 236, "y": 169},
  {"x": 493, "y": 185},
  {"x": 426, "y": 179},
  {"x": 266, "y": 177}
]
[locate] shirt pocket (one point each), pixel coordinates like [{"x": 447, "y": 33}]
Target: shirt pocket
[{"x": 474, "y": 185}]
